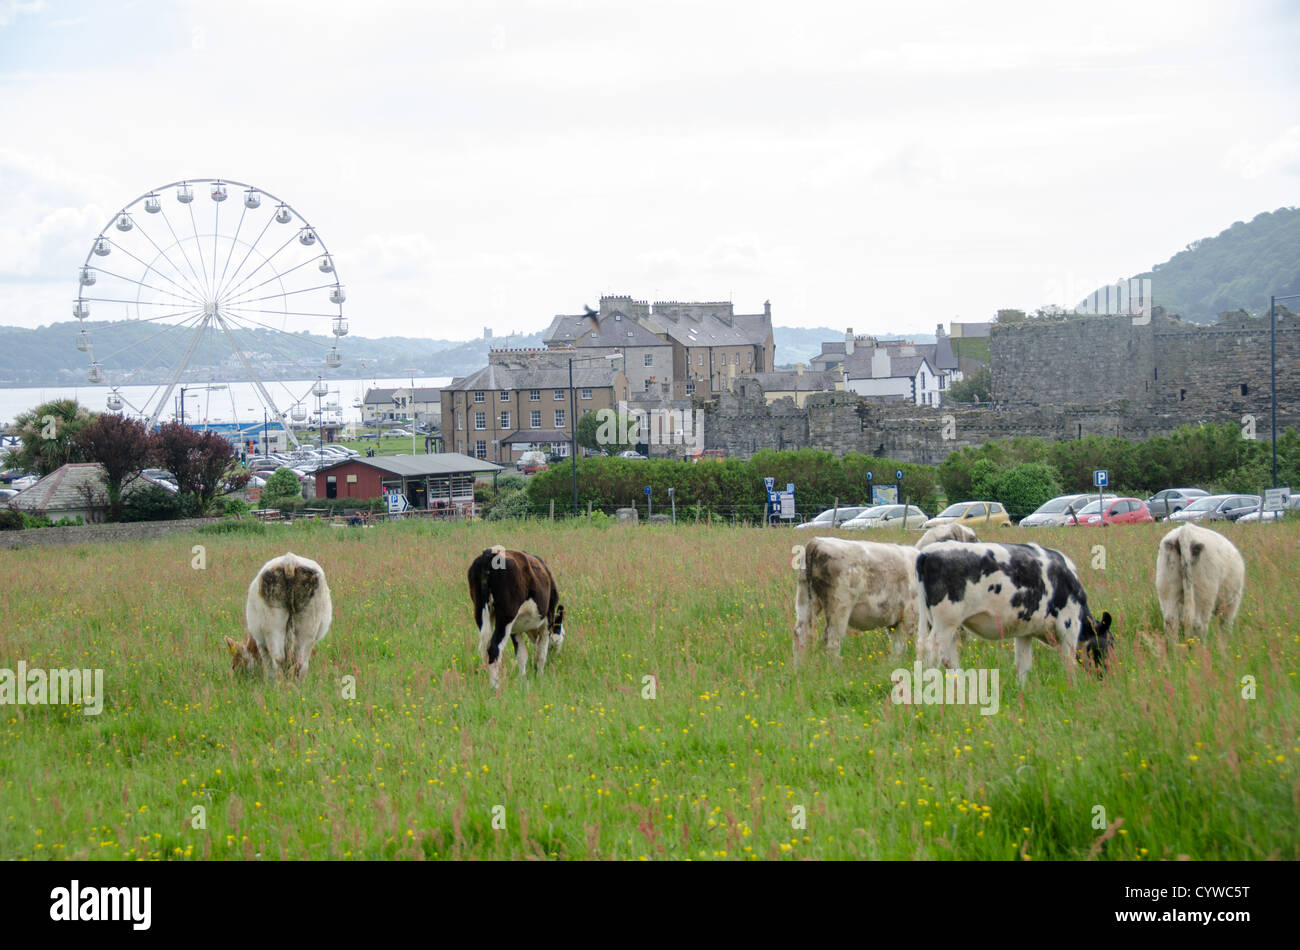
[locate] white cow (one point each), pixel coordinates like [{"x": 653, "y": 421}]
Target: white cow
[
  {"x": 1004, "y": 590},
  {"x": 1198, "y": 572},
  {"x": 860, "y": 584},
  {"x": 952, "y": 531},
  {"x": 287, "y": 613}
]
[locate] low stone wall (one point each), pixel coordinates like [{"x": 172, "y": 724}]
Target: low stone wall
[{"x": 97, "y": 533}]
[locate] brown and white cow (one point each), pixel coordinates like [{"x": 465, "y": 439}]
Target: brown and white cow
[
  {"x": 865, "y": 585},
  {"x": 1198, "y": 572},
  {"x": 513, "y": 593}
]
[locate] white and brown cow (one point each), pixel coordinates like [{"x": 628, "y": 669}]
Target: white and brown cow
[
  {"x": 1199, "y": 572},
  {"x": 287, "y": 612},
  {"x": 865, "y": 585},
  {"x": 513, "y": 593},
  {"x": 997, "y": 591}
]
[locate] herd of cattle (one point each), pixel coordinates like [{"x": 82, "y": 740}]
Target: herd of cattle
[{"x": 950, "y": 583}]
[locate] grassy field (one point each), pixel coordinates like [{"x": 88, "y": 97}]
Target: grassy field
[{"x": 734, "y": 747}]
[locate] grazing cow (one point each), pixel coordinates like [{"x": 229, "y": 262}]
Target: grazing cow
[
  {"x": 513, "y": 593},
  {"x": 860, "y": 584},
  {"x": 952, "y": 531},
  {"x": 1198, "y": 572},
  {"x": 287, "y": 613},
  {"x": 1004, "y": 590}
]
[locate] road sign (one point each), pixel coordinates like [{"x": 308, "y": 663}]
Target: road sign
[
  {"x": 899, "y": 474},
  {"x": 647, "y": 490},
  {"x": 769, "y": 483},
  {"x": 397, "y": 503},
  {"x": 789, "y": 486},
  {"x": 1101, "y": 478},
  {"x": 1275, "y": 498},
  {"x": 787, "y": 505},
  {"x": 870, "y": 475}
]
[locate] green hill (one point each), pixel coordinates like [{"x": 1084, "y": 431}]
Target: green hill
[{"x": 1237, "y": 269}]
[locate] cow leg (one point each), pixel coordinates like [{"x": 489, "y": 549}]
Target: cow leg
[
  {"x": 487, "y": 623},
  {"x": 899, "y": 632},
  {"x": 273, "y": 654},
  {"x": 493, "y": 656},
  {"x": 837, "y": 625},
  {"x": 543, "y": 648},
  {"x": 1024, "y": 657},
  {"x": 1230, "y": 607},
  {"x": 521, "y": 650},
  {"x": 1172, "y": 608}
]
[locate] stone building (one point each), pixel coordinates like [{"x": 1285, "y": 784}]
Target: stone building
[{"x": 521, "y": 401}]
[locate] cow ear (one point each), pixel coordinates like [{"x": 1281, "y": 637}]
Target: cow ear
[
  {"x": 559, "y": 615},
  {"x": 1105, "y": 621},
  {"x": 232, "y": 646}
]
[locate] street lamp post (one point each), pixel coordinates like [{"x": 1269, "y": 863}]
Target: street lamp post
[
  {"x": 1272, "y": 367},
  {"x": 573, "y": 418}
]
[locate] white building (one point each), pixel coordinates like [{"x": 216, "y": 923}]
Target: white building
[{"x": 879, "y": 374}]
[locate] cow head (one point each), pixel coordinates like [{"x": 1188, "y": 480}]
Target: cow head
[
  {"x": 1095, "y": 638},
  {"x": 244, "y": 657},
  {"x": 557, "y": 629}
]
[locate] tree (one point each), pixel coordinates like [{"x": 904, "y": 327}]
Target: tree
[
  {"x": 48, "y": 434},
  {"x": 605, "y": 429},
  {"x": 122, "y": 446},
  {"x": 1024, "y": 488},
  {"x": 203, "y": 463},
  {"x": 282, "y": 486},
  {"x": 977, "y": 387}
]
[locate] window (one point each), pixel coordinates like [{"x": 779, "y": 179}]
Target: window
[
  {"x": 699, "y": 359},
  {"x": 535, "y": 419},
  {"x": 505, "y": 419},
  {"x": 534, "y": 395},
  {"x": 480, "y": 420},
  {"x": 649, "y": 359},
  {"x": 478, "y": 395},
  {"x": 1243, "y": 389},
  {"x": 690, "y": 389},
  {"x": 505, "y": 395},
  {"x": 559, "y": 395},
  {"x": 585, "y": 393},
  {"x": 559, "y": 418},
  {"x": 460, "y": 420},
  {"x": 647, "y": 385},
  {"x": 480, "y": 449}
]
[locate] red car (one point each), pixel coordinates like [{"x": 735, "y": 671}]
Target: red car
[{"x": 1117, "y": 511}]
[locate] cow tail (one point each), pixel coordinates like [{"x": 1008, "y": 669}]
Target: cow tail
[
  {"x": 1188, "y": 581},
  {"x": 483, "y": 590}
]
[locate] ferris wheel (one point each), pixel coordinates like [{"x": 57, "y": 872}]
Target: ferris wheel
[{"x": 182, "y": 288}]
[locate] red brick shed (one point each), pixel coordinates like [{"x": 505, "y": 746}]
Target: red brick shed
[{"x": 428, "y": 481}]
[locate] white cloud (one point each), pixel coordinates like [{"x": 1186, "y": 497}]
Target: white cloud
[{"x": 1280, "y": 156}]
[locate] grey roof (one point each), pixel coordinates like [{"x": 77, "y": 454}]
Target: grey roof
[
  {"x": 63, "y": 489},
  {"x": 899, "y": 366},
  {"x": 498, "y": 377},
  {"x": 443, "y": 463},
  {"x": 793, "y": 381},
  {"x": 833, "y": 347},
  {"x": 744, "y": 330},
  {"x": 536, "y": 435},
  {"x": 379, "y": 396}
]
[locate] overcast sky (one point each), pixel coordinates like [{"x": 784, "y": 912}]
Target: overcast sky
[{"x": 881, "y": 166}]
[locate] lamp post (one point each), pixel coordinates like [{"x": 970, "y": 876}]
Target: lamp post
[
  {"x": 1272, "y": 367},
  {"x": 573, "y": 418}
]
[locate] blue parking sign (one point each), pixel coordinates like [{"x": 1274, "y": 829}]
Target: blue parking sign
[{"x": 1101, "y": 478}]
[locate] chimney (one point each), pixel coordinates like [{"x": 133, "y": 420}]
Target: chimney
[
  {"x": 798, "y": 369},
  {"x": 848, "y": 342},
  {"x": 767, "y": 309},
  {"x": 938, "y": 332},
  {"x": 880, "y": 364}
]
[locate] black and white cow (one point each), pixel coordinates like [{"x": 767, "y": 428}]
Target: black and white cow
[
  {"x": 1004, "y": 590},
  {"x": 513, "y": 593}
]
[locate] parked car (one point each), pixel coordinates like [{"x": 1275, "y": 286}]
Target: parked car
[
  {"x": 531, "y": 458},
  {"x": 1171, "y": 500},
  {"x": 888, "y": 516},
  {"x": 1055, "y": 512},
  {"x": 24, "y": 481},
  {"x": 397, "y": 433},
  {"x": 632, "y": 454},
  {"x": 840, "y": 515},
  {"x": 7, "y": 493},
  {"x": 1114, "y": 511},
  {"x": 973, "y": 514},
  {"x": 1292, "y": 504},
  {"x": 1218, "y": 508}
]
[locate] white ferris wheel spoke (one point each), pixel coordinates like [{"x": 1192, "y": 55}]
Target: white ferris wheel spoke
[
  {"x": 287, "y": 293},
  {"x": 198, "y": 244},
  {"x": 244, "y": 259},
  {"x": 184, "y": 289},
  {"x": 198, "y": 294},
  {"x": 233, "y": 241},
  {"x": 184, "y": 253},
  {"x": 229, "y": 291}
]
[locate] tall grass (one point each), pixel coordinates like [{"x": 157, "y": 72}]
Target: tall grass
[{"x": 1164, "y": 750}]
